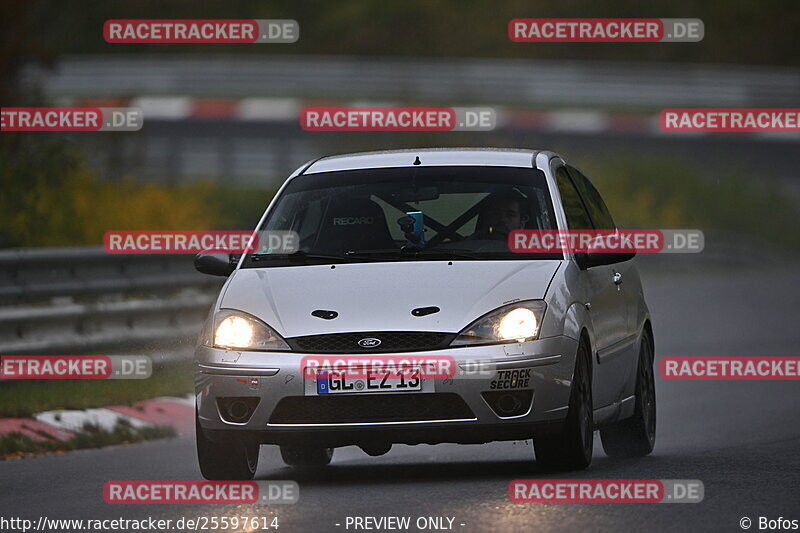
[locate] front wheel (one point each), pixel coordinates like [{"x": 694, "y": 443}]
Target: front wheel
[
  {"x": 571, "y": 449},
  {"x": 636, "y": 436},
  {"x": 234, "y": 457}
]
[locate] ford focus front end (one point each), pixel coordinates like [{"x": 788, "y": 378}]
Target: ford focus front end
[{"x": 401, "y": 265}]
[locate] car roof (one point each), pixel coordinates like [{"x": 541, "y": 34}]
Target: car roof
[{"x": 502, "y": 157}]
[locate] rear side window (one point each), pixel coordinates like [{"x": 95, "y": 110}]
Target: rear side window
[
  {"x": 600, "y": 214},
  {"x": 577, "y": 217}
]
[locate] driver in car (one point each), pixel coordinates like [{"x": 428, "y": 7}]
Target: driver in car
[{"x": 501, "y": 214}]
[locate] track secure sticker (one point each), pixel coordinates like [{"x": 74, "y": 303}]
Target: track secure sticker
[{"x": 511, "y": 379}]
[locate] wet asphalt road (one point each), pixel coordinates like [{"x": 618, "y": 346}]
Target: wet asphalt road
[{"x": 742, "y": 439}]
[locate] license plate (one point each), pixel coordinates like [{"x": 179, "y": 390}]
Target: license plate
[{"x": 337, "y": 382}]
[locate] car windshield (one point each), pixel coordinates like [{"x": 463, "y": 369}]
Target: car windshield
[{"x": 399, "y": 214}]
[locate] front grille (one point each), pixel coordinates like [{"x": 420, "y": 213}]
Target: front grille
[
  {"x": 391, "y": 341},
  {"x": 345, "y": 408}
]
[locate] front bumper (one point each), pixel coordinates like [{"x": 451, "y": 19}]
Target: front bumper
[{"x": 445, "y": 410}]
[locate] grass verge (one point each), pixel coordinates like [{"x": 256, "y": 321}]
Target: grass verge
[
  {"x": 25, "y": 398},
  {"x": 18, "y": 445}
]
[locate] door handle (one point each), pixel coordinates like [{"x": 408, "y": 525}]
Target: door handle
[{"x": 617, "y": 278}]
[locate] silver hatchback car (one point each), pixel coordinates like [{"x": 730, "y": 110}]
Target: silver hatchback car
[{"x": 405, "y": 255}]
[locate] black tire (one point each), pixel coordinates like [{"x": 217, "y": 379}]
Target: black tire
[
  {"x": 572, "y": 448},
  {"x": 306, "y": 456},
  {"x": 234, "y": 457},
  {"x": 636, "y": 436}
]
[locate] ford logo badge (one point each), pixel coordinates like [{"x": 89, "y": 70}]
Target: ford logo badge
[{"x": 369, "y": 342}]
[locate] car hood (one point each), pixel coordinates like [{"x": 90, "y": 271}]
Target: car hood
[{"x": 381, "y": 296}]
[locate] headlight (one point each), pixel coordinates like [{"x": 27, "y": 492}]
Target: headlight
[
  {"x": 237, "y": 330},
  {"x": 517, "y": 322}
]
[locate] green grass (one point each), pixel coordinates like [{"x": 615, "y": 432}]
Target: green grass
[
  {"x": 17, "y": 445},
  {"x": 25, "y": 398}
]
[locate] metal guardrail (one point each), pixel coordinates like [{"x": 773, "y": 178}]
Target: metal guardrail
[
  {"x": 448, "y": 81},
  {"x": 82, "y": 299}
]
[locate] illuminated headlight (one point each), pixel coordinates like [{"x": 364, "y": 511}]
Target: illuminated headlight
[
  {"x": 517, "y": 322},
  {"x": 236, "y": 330}
]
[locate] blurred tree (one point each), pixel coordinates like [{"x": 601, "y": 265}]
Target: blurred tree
[
  {"x": 49, "y": 196},
  {"x": 737, "y": 31},
  {"x": 19, "y": 47}
]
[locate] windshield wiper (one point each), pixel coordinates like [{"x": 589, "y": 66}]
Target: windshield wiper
[
  {"x": 404, "y": 253},
  {"x": 374, "y": 253},
  {"x": 454, "y": 253},
  {"x": 299, "y": 254},
  {"x": 409, "y": 252}
]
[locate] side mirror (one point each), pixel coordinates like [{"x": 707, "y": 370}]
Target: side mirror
[
  {"x": 216, "y": 264},
  {"x": 587, "y": 260}
]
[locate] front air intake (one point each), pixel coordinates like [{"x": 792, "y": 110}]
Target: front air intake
[
  {"x": 237, "y": 410},
  {"x": 511, "y": 403}
]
